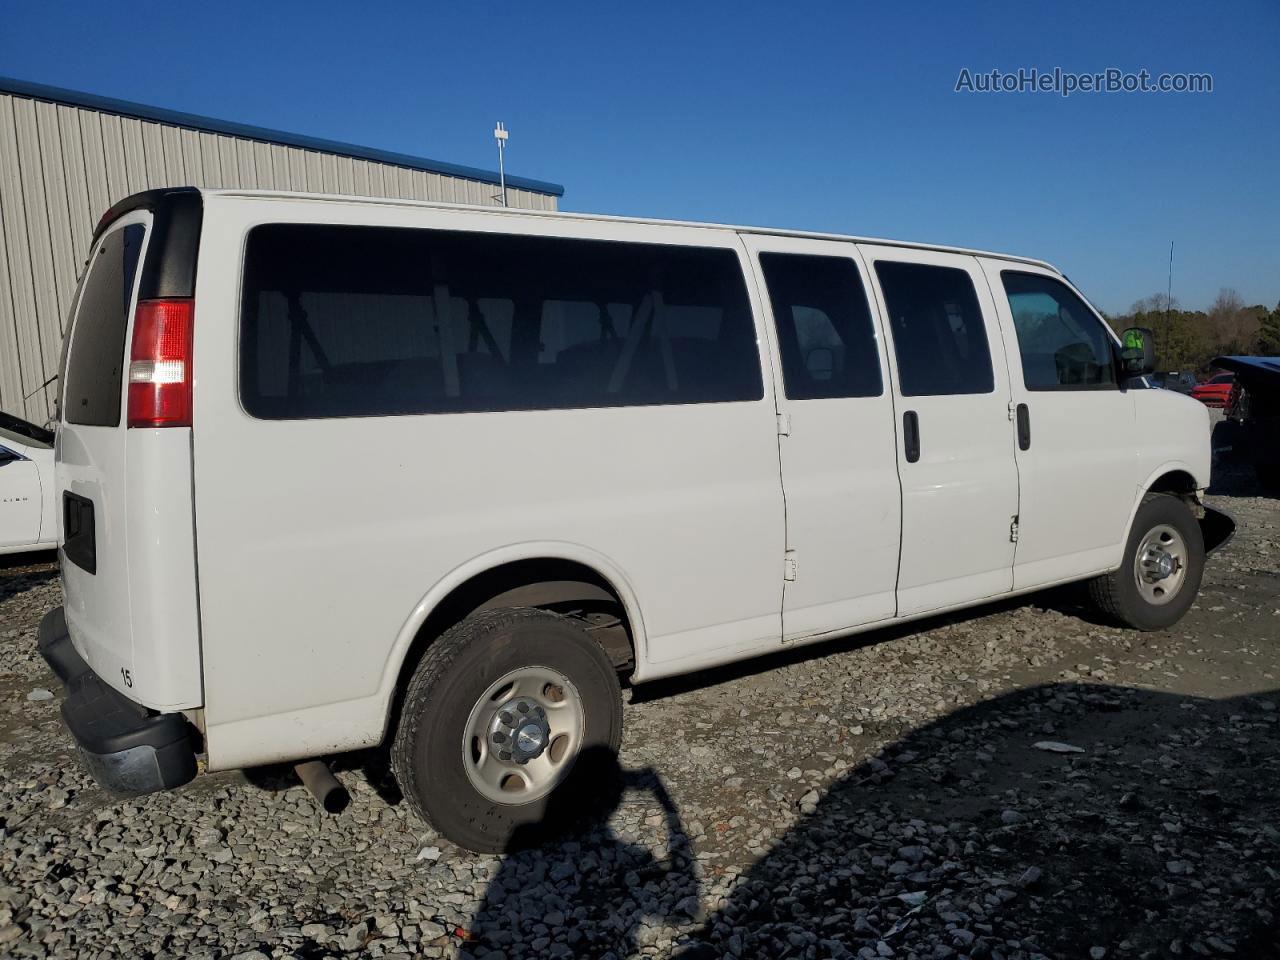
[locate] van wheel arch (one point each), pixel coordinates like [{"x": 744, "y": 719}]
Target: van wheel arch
[
  {"x": 1216, "y": 526},
  {"x": 1174, "y": 482},
  {"x": 1179, "y": 483},
  {"x": 561, "y": 586}
]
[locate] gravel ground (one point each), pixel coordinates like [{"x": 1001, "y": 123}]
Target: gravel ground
[{"x": 1016, "y": 782}]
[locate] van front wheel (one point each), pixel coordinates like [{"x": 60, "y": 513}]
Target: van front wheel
[
  {"x": 504, "y": 716},
  {"x": 1159, "y": 576}
]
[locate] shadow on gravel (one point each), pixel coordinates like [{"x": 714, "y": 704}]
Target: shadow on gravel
[
  {"x": 1159, "y": 838},
  {"x": 21, "y": 572},
  {"x": 34, "y": 559},
  {"x": 593, "y": 891},
  {"x": 1233, "y": 472},
  {"x": 1049, "y": 822}
]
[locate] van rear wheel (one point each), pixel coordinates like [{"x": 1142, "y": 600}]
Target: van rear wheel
[
  {"x": 502, "y": 720},
  {"x": 1160, "y": 574}
]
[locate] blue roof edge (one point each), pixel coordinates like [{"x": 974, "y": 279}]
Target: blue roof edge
[{"x": 40, "y": 91}]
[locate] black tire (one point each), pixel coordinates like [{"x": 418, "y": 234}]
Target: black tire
[
  {"x": 454, "y": 673},
  {"x": 1117, "y": 595}
]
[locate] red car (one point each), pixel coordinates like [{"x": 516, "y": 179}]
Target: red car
[{"x": 1216, "y": 391}]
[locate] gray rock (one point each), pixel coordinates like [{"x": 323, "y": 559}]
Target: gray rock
[
  {"x": 1030, "y": 877},
  {"x": 222, "y": 854},
  {"x": 1056, "y": 746},
  {"x": 689, "y": 906},
  {"x": 562, "y": 871}
]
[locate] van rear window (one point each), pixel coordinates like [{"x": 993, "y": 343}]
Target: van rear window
[
  {"x": 93, "y": 379},
  {"x": 345, "y": 321}
]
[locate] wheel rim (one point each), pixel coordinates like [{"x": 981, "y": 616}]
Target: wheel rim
[
  {"x": 1160, "y": 565},
  {"x": 523, "y": 735}
]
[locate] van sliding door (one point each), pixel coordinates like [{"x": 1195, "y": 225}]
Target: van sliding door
[
  {"x": 836, "y": 438},
  {"x": 951, "y": 384}
]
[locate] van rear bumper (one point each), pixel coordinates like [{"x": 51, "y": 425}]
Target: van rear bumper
[{"x": 128, "y": 749}]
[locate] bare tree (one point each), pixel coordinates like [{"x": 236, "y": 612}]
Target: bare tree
[
  {"x": 1227, "y": 302},
  {"x": 1154, "y": 304},
  {"x": 1233, "y": 328}
]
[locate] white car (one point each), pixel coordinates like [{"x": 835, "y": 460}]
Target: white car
[
  {"x": 338, "y": 472},
  {"x": 27, "y": 498}
]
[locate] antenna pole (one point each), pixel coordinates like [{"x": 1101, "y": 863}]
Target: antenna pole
[
  {"x": 1168, "y": 294},
  {"x": 500, "y": 134}
]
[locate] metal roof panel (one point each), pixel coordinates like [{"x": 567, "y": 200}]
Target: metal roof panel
[{"x": 40, "y": 91}]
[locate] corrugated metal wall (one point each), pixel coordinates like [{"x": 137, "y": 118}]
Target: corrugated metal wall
[{"x": 61, "y": 168}]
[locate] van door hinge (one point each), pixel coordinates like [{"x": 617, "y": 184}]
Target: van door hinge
[
  {"x": 1013, "y": 410},
  {"x": 784, "y": 425},
  {"x": 789, "y": 565},
  {"x": 1013, "y": 530}
]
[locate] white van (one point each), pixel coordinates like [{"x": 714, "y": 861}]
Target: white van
[{"x": 341, "y": 472}]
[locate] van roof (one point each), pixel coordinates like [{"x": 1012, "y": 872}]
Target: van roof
[{"x": 563, "y": 215}]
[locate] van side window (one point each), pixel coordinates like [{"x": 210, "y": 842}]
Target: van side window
[
  {"x": 938, "y": 332},
  {"x": 1063, "y": 345},
  {"x": 825, "y": 331},
  {"x": 95, "y": 361},
  {"x": 343, "y": 321}
]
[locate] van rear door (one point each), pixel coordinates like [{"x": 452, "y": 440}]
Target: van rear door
[{"x": 125, "y": 530}]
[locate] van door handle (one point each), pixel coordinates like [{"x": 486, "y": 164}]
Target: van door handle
[
  {"x": 911, "y": 436},
  {"x": 1024, "y": 427}
]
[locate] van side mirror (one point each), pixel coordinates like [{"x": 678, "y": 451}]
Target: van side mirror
[
  {"x": 7, "y": 456},
  {"x": 1138, "y": 351}
]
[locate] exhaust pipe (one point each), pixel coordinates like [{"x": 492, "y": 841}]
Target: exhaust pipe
[{"x": 323, "y": 785}]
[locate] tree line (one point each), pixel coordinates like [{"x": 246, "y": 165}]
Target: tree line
[{"x": 1189, "y": 339}]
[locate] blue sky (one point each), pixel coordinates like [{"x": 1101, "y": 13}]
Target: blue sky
[{"x": 828, "y": 116}]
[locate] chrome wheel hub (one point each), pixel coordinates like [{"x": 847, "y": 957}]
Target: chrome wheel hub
[
  {"x": 520, "y": 731},
  {"x": 523, "y": 735},
  {"x": 1160, "y": 565}
]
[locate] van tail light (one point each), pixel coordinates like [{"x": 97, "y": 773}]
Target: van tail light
[{"x": 160, "y": 363}]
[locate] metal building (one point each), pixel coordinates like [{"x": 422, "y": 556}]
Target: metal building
[{"x": 66, "y": 157}]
